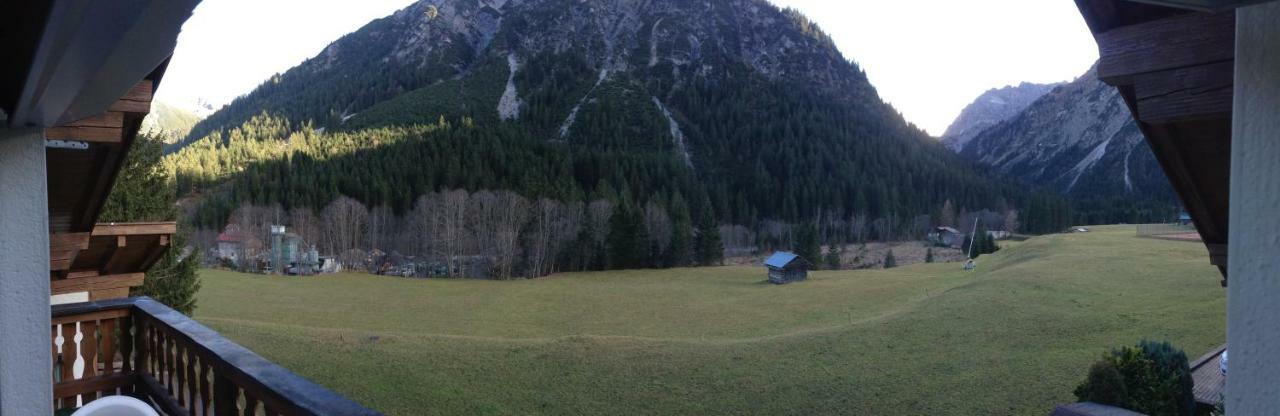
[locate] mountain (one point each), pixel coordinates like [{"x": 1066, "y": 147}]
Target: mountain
[
  {"x": 171, "y": 122},
  {"x": 743, "y": 109},
  {"x": 992, "y": 107},
  {"x": 1081, "y": 141}
]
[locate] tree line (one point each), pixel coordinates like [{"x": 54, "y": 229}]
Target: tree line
[{"x": 515, "y": 235}]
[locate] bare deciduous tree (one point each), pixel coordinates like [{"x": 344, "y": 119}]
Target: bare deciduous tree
[
  {"x": 658, "y": 224},
  {"x": 858, "y": 228},
  {"x": 345, "y": 220}
]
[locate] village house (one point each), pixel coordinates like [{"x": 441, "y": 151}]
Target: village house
[{"x": 946, "y": 237}]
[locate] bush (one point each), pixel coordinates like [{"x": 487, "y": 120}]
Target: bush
[
  {"x": 1152, "y": 378},
  {"x": 889, "y": 261}
]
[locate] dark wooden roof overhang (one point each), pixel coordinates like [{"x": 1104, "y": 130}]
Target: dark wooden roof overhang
[
  {"x": 1173, "y": 61},
  {"x": 107, "y": 261},
  {"x": 85, "y": 72}
]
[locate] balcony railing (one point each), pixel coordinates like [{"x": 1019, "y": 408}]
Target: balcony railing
[{"x": 143, "y": 349}]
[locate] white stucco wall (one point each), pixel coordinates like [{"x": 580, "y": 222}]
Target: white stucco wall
[
  {"x": 1253, "y": 294},
  {"x": 25, "y": 368}
]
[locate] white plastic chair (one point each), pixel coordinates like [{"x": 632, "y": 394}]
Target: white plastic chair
[{"x": 116, "y": 406}]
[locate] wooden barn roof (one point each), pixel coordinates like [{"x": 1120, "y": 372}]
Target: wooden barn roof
[{"x": 1174, "y": 62}]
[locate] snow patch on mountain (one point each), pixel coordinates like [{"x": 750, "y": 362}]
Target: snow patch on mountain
[
  {"x": 677, "y": 135},
  {"x": 573, "y": 114},
  {"x": 509, "y": 104}
]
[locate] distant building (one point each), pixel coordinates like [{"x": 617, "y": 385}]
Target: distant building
[
  {"x": 946, "y": 237},
  {"x": 396, "y": 264},
  {"x": 998, "y": 235},
  {"x": 786, "y": 267},
  {"x": 230, "y": 243},
  {"x": 1184, "y": 218}
]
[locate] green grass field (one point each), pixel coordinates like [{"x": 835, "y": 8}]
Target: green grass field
[{"x": 1013, "y": 337}]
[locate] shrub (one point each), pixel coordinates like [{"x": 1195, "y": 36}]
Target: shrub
[
  {"x": 1152, "y": 378},
  {"x": 928, "y": 255},
  {"x": 889, "y": 261},
  {"x": 833, "y": 258}
]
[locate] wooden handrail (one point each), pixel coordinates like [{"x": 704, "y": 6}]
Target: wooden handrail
[{"x": 184, "y": 368}]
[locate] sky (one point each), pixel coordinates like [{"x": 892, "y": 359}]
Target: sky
[{"x": 928, "y": 58}]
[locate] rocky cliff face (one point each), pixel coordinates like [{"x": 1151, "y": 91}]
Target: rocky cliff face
[
  {"x": 666, "y": 44},
  {"x": 744, "y": 106},
  {"x": 1078, "y": 139},
  {"x": 991, "y": 108}
]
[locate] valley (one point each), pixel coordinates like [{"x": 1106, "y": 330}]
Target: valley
[{"x": 1011, "y": 338}]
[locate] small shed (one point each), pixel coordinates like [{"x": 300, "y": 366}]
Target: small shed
[
  {"x": 786, "y": 267},
  {"x": 947, "y": 237}
]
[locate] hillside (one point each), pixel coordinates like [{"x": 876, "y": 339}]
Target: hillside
[
  {"x": 1013, "y": 337},
  {"x": 171, "y": 122},
  {"x": 991, "y": 108},
  {"x": 746, "y": 111},
  {"x": 1081, "y": 141}
]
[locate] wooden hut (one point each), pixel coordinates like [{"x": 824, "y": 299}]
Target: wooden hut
[{"x": 786, "y": 267}]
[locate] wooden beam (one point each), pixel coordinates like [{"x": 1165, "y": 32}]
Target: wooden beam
[
  {"x": 91, "y": 385},
  {"x": 113, "y": 256},
  {"x": 85, "y": 134},
  {"x": 90, "y": 284},
  {"x": 137, "y": 100},
  {"x": 91, "y": 316},
  {"x": 103, "y": 294},
  {"x": 137, "y": 228},
  {"x": 114, "y": 119},
  {"x": 1185, "y": 94},
  {"x": 68, "y": 241},
  {"x": 63, "y": 249},
  {"x": 161, "y": 246},
  {"x": 1169, "y": 43},
  {"x": 76, "y": 274}
]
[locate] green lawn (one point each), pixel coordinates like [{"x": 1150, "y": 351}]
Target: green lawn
[{"x": 1012, "y": 338}]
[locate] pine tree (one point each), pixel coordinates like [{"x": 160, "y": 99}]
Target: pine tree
[
  {"x": 889, "y": 261},
  {"x": 708, "y": 249},
  {"x": 928, "y": 255},
  {"x": 807, "y": 245},
  {"x": 681, "y": 251},
  {"x": 144, "y": 192}
]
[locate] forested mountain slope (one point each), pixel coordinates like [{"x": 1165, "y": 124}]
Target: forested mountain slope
[
  {"x": 1081, "y": 141},
  {"x": 747, "y": 112}
]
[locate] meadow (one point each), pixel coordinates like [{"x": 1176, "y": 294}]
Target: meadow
[{"x": 1013, "y": 337}]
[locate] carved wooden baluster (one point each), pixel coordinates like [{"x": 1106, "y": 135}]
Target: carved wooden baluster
[
  {"x": 175, "y": 367},
  {"x": 193, "y": 381},
  {"x": 69, "y": 351},
  {"x": 179, "y": 352},
  {"x": 250, "y": 404},
  {"x": 170, "y": 363},
  {"x": 89, "y": 352},
  {"x": 163, "y": 353},
  {"x": 155, "y": 353},
  {"x": 126, "y": 344},
  {"x": 108, "y": 330},
  {"x": 206, "y": 374},
  {"x": 89, "y": 348},
  {"x": 57, "y": 343}
]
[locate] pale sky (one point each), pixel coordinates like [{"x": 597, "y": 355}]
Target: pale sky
[{"x": 929, "y": 58}]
